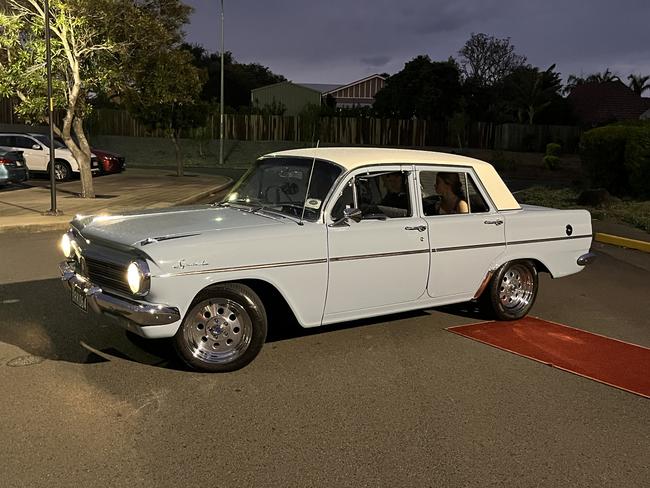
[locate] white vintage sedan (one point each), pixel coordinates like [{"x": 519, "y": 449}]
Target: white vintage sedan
[{"x": 328, "y": 235}]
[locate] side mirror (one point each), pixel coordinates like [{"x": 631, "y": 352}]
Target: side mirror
[
  {"x": 353, "y": 214},
  {"x": 36, "y": 147}
]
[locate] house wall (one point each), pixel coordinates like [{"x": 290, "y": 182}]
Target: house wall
[
  {"x": 359, "y": 94},
  {"x": 293, "y": 97}
]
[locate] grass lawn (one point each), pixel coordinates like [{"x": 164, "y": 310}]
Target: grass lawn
[{"x": 635, "y": 213}]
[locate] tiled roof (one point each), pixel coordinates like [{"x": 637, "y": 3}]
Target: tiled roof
[{"x": 597, "y": 103}]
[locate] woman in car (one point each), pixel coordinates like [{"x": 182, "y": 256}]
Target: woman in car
[{"x": 452, "y": 198}]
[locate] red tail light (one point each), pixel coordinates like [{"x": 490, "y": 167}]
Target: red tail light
[{"x": 5, "y": 161}]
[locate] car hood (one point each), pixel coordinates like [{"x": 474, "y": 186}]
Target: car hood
[{"x": 150, "y": 226}]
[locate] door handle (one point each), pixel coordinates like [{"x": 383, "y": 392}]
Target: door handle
[
  {"x": 493, "y": 222},
  {"x": 419, "y": 228}
]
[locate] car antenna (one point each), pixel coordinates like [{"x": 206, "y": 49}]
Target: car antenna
[{"x": 311, "y": 173}]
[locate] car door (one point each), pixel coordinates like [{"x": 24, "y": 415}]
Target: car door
[
  {"x": 36, "y": 159},
  {"x": 464, "y": 245},
  {"x": 383, "y": 259}
]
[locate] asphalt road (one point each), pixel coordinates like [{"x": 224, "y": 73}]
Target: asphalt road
[{"x": 396, "y": 401}]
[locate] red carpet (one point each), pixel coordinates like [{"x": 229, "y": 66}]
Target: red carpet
[{"x": 610, "y": 361}]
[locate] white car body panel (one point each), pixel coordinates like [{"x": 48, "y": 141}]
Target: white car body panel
[{"x": 330, "y": 273}]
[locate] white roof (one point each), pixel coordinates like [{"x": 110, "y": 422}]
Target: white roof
[{"x": 354, "y": 157}]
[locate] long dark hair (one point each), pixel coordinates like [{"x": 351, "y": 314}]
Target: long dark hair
[{"x": 453, "y": 180}]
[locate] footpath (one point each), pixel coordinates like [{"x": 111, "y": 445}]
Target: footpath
[{"x": 22, "y": 208}]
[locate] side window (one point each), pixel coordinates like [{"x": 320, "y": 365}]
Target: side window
[
  {"x": 384, "y": 194},
  {"x": 6, "y": 141},
  {"x": 450, "y": 192},
  {"x": 23, "y": 142}
]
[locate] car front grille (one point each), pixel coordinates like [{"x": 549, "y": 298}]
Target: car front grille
[{"x": 106, "y": 275}]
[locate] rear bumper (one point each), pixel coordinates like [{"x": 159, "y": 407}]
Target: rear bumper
[
  {"x": 13, "y": 175},
  {"x": 586, "y": 259},
  {"x": 131, "y": 314}
]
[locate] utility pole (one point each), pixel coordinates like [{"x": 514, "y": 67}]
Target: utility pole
[
  {"x": 221, "y": 98},
  {"x": 50, "y": 110}
]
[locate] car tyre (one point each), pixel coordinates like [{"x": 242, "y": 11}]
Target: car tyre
[
  {"x": 62, "y": 170},
  {"x": 223, "y": 330},
  {"x": 513, "y": 290}
]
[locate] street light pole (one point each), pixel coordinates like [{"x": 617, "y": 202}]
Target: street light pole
[
  {"x": 221, "y": 97},
  {"x": 50, "y": 109}
]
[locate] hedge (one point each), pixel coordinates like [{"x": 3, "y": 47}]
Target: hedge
[{"x": 617, "y": 157}]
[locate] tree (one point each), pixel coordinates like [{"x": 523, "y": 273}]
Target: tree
[
  {"x": 639, "y": 84},
  {"x": 82, "y": 63},
  {"x": 161, "y": 99},
  {"x": 424, "y": 88},
  {"x": 576, "y": 80},
  {"x": 527, "y": 91},
  {"x": 239, "y": 78},
  {"x": 486, "y": 60},
  {"x": 99, "y": 48}
]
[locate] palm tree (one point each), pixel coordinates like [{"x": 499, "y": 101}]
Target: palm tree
[{"x": 639, "y": 84}]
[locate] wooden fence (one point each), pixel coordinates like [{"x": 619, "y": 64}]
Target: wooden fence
[{"x": 344, "y": 131}]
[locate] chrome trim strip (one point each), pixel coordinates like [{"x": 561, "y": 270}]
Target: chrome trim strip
[
  {"x": 475, "y": 246},
  {"x": 566, "y": 238},
  {"x": 151, "y": 240},
  {"x": 245, "y": 268},
  {"x": 143, "y": 314},
  {"x": 378, "y": 255}
]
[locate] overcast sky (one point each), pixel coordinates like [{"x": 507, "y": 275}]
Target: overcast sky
[{"x": 339, "y": 41}]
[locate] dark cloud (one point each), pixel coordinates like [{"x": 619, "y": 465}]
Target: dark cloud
[
  {"x": 376, "y": 60},
  {"x": 340, "y": 41}
]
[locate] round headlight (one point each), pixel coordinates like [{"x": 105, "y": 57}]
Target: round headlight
[
  {"x": 66, "y": 245},
  {"x": 137, "y": 275}
]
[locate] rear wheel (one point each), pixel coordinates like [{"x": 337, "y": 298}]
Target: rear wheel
[
  {"x": 513, "y": 290},
  {"x": 224, "y": 329}
]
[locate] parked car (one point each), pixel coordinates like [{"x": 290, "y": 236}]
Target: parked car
[
  {"x": 110, "y": 162},
  {"x": 332, "y": 234},
  {"x": 12, "y": 167},
  {"x": 36, "y": 151}
]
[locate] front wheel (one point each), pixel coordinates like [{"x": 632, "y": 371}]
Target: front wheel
[
  {"x": 513, "y": 290},
  {"x": 224, "y": 329}
]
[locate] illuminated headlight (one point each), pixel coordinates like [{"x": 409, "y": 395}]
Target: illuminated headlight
[
  {"x": 66, "y": 245},
  {"x": 137, "y": 275}
]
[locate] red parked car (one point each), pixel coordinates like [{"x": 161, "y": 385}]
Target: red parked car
[{"x": 109, "y": 162}]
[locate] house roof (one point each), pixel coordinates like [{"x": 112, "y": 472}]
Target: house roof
[
  {"x": 320, "y": 87},
  {"x": 341, "y": 87},
  {"x": 355, "y": 157},
  {"x": 596, "y": 103}
]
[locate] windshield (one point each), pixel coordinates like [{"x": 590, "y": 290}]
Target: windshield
[
  {"x": 280, "y": 185},
  {"x": 43, "y": 139}
]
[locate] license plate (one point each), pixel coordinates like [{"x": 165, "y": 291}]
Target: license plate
[
  {"x": 79, "y": 298},
  {"x": 19, "y": 164}
]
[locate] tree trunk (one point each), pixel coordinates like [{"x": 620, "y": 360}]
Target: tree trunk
[{"x": 177, "y": 149}]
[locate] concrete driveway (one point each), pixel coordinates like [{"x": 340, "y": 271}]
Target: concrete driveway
[{"x": 396, "y": 401}]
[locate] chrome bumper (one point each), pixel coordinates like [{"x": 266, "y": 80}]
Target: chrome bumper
[
  {"x": 586, "y": 259},
  {"x": 117, "y": 307}
]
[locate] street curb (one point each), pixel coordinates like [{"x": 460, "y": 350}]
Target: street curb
[
  {"x": 200, "y": 196},
  {"x": 622, "y": 242},
  {"x": 63, "y": 223}
]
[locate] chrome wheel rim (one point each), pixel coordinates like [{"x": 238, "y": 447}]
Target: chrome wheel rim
[
  {"x": 60, "y": 172},
  {"x": 516, "y": 288},
  {"x": 218, "y": 331}
]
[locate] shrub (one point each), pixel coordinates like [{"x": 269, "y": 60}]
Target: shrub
[
  {"x": 617, "y": 157},
  {"x": 552, "y": 158},
  {"x": 637, "y": 162},
  {"x": 602, "y": 152}
]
